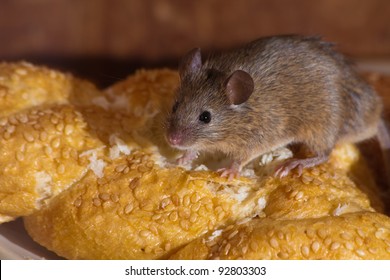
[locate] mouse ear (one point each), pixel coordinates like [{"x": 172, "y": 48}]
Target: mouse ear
[
  {"x": 239, "y": 87},
  {"x": 191, "y": 62}
]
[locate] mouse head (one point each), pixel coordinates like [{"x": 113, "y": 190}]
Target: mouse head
[{"x": 206, "y": 104}]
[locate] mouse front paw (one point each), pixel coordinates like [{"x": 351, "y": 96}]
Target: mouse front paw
[
  {"x": 187, "y": 158},
  {"x": 231, "y": 172}
]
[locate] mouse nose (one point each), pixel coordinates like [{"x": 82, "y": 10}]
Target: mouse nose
[{"x": 175, "y": 138}]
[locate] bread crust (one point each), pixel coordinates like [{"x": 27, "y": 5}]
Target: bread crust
[{"x": 118, "y": 195}]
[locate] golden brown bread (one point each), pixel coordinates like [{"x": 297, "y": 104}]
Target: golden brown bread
[
  {"x": 41, "y": 136},
  {"x": 118, "y": 196}
]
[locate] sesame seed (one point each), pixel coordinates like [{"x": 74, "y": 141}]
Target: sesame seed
[
  {"x": 349, "y": 246},
  {"x": 195, "y": 198},
  {"x": 144, "y": 233},
  {"x": 77, "y": 202},
  {"x": 43, "y": 136},
  {"x": 243, "y": 221},
  {"x": 56, "y": 143},
  {"x": 254, "y": 246},
  {"x": 299, "y": 195},
  {"x": 280, "y": 235},
  {"x": 184, "y": 224},
  {"x": 35, "y": 125},
  {"x": 120, "y": 168},
  {"x": 373, "y": 250},
  {"x": 156, "y": 217},
  {"x": 322, "y": 233},
  {"x": 143, "y": 169},
  {"x": 186, "y": 200},
  {"x": 173, "y": 216},
  {"x": 218, "y": 209},
  {"x": 221, "y": 216},
  {"x": 317, "y": 182},
  {"x": 158, "y": 251},
  {"x": 3, "y": 121},
  {"x": 233, "y": 234},
  {"x": 346, "y": 236},
  {"x": 61, "y": 169},
  {"x": 227, "y": 249},
  {"x": 69, "y": 129},
  {"x": 283, "y": 255},
  {"x": 195, "y": 207},
  {"x": 306, "y": 179},
  {"x": 274, "y": 243},
  {"x": 166, "y": 201},
  {"x": 10, "y": 129},
  {"x": 65, "y": 153},
  {"x": 270, "y": 233},
  {"x": 150, "y": 164},
  {"x": 96, "y": 202},
  {"x": 134, "y": 183},
  {"x": 335, "y": 246},
  {"x": 48, "y": 151},
  {"x": 229, "y": 227},
  {"x": 379, "y": 233},
  {"x": 153, "y": 229},
  {"x": 129, "y": 208},
  {"x": 21, "y": 72},
  {"x": 13, "y": 120},
  {"x": 315, "y": 171},
  {"x": 360, "y": 232},
  {"x": 310, "y": 233},
  {"x": 327, "y": 241},
  {"x": 60, "y": 127},
  {"x": 170, "y": 207},
  {"x": 361, "y": 253},
  {"x": 147, "y": 207},
  {"x": 288, "y": 236},
  {"x": 115, "y": 197},
  {"x": 293, "y": 194},
  {"x": 148, "y": 249},
  {"x": 168, "y": 247},
  {"x": 358, "y": 241},
  {"x": 184, "y": 213},
  {"x": 23, "y": 118},
  {"x": 28, "y": 136},
  {"x": 305, "y": 251},
  {"x": 19, "y": 156},
  {"x": 315, "y": 246},
  {"x": 202, "y": 212},
  {"x": 209, "y": 206},
  {"x": 104, "y": 196},
  {"x": 175, "y": 199},
  {"x": 54, "y": 120},
  {"x": 193, "y": 218},
  {"x": 244, "y": 249}
]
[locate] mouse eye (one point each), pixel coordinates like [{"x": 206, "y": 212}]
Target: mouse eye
[
  {"x": 205, "y": 117},
  {"x": 174, "y": 108}
]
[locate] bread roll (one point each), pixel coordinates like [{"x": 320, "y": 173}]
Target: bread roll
[
  {"x": 41, "y": 136},
  {"x": 119, "y": 194}
]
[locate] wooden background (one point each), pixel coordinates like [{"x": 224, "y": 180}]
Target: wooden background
[{"x": 107, "y": 39}]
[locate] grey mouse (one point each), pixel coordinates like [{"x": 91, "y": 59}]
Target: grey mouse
[{"x": 270, "y": 93}]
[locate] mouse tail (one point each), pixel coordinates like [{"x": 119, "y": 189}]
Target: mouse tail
[{"x": 383, "y": 136}]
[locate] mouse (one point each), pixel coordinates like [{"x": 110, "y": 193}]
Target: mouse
[{"x": 270, "y": 93}]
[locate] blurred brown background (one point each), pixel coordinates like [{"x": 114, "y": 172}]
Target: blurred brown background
[{"x": 105, "y": 40}]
